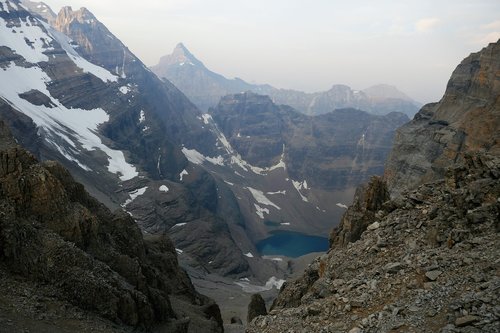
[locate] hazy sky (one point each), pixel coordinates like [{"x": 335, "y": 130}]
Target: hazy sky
[{"x": 310, "y": 44}]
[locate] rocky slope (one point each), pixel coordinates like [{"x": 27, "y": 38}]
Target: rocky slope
[
  {"x": 421, "y": 256},
  {"x": 61, "y": 246},
  {"x": 205, "y": 88}
]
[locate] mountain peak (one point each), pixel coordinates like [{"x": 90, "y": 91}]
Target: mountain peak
[
  {"x": 384, "y": 91},
  {"x": 83, "y": 15},
  {"x": 180, "y": 56}
]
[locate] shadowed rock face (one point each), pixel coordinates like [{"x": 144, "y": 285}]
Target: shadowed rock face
[
  {"x": 332, "y": 151},
  {"x": 52, "y": 231},
  {"x": 465, "y": 120},
  {"x": 257, "y": 307}
]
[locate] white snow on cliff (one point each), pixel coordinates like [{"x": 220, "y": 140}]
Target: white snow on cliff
[{"x": 77, "y": 127}]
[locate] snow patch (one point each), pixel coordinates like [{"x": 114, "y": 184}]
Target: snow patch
[
  {"x": 299, "y": 186},
  {"x": 261, "y": 198},
  {"x": 134, "y": 194},
  {"x": 196, "y": 157},
  {"x": 163, "y": 188},
  {"x": 229, "y": 183},
  {"x": 142, "y": 117},
  {"x": 124, "y": 90},
  {"x": 277, "y": 192},
  {"x": 285, "y": 223},
  {"x": 260, "y": 211},
  {"x": 206, "y": 118},
  {"x": 182, "y": 174},
  {"x": 249, "y": 255},
  {"x": 179, "y": 251},
  {"x": 270, "y": 284},
  {"x": 341, "y": 205},
  {"x": 178, "y": 225}
]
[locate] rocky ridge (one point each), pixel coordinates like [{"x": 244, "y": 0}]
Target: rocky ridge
[
  {"x": 425, "y": 257},
  {"x": 55, "y": 236}
]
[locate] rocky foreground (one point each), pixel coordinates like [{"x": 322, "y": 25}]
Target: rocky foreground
[
  {"x": 428, "y": 262},
  {"x": 67, "y": 264}
]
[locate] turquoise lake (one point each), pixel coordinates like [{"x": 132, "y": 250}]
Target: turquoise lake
[{"x": 291, "y": 244}]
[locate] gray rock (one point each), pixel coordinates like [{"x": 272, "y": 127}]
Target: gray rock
[
  {"x": 433, "y": 275},
  {"x": 466, "y": 320},
  {"x": 257, "y": 307},
  {"x": 393, "y": 268}
]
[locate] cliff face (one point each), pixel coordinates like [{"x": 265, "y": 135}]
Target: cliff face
[
  {"x": 416, "y": 253},
  {"x": 52, "y": 232},
  {"x": 465, "y": 120},
  {"x": 333, "y": 151}
]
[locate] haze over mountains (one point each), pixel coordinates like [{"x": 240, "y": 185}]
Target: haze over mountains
[
  {"x": 205, "y": 88},
  {"x": 194, "y": 188}
]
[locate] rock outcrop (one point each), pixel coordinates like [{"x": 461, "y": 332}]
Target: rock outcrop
[
  {"x": 205, "y": 88},
  {"x": 257, "y": 307},
  {"x": 465, "y": 120},
  {"x": 418, "y": 249},
  {"x": 368, "y": 200},
  {"x": 53, "y": 233}
]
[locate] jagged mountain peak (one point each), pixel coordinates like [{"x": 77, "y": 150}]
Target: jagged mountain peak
[
  {"x": 81, "y": 14},
  {"x": 180, "y": 56}
]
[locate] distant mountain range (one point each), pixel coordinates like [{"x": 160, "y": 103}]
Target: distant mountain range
[{"x": 205, "y": 87}]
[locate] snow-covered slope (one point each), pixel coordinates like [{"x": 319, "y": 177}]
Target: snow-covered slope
[{"x": 32, "y": 44}]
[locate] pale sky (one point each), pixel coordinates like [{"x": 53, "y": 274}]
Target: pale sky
[{"x": 309, "y": 45}]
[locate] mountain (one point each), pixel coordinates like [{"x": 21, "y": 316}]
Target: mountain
[
  {"x": 202, "y": 86},
  {"x": 332, "y": 151},
  {"x": 417, "y": 249},
  {"x": 205, "y": 88}
]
